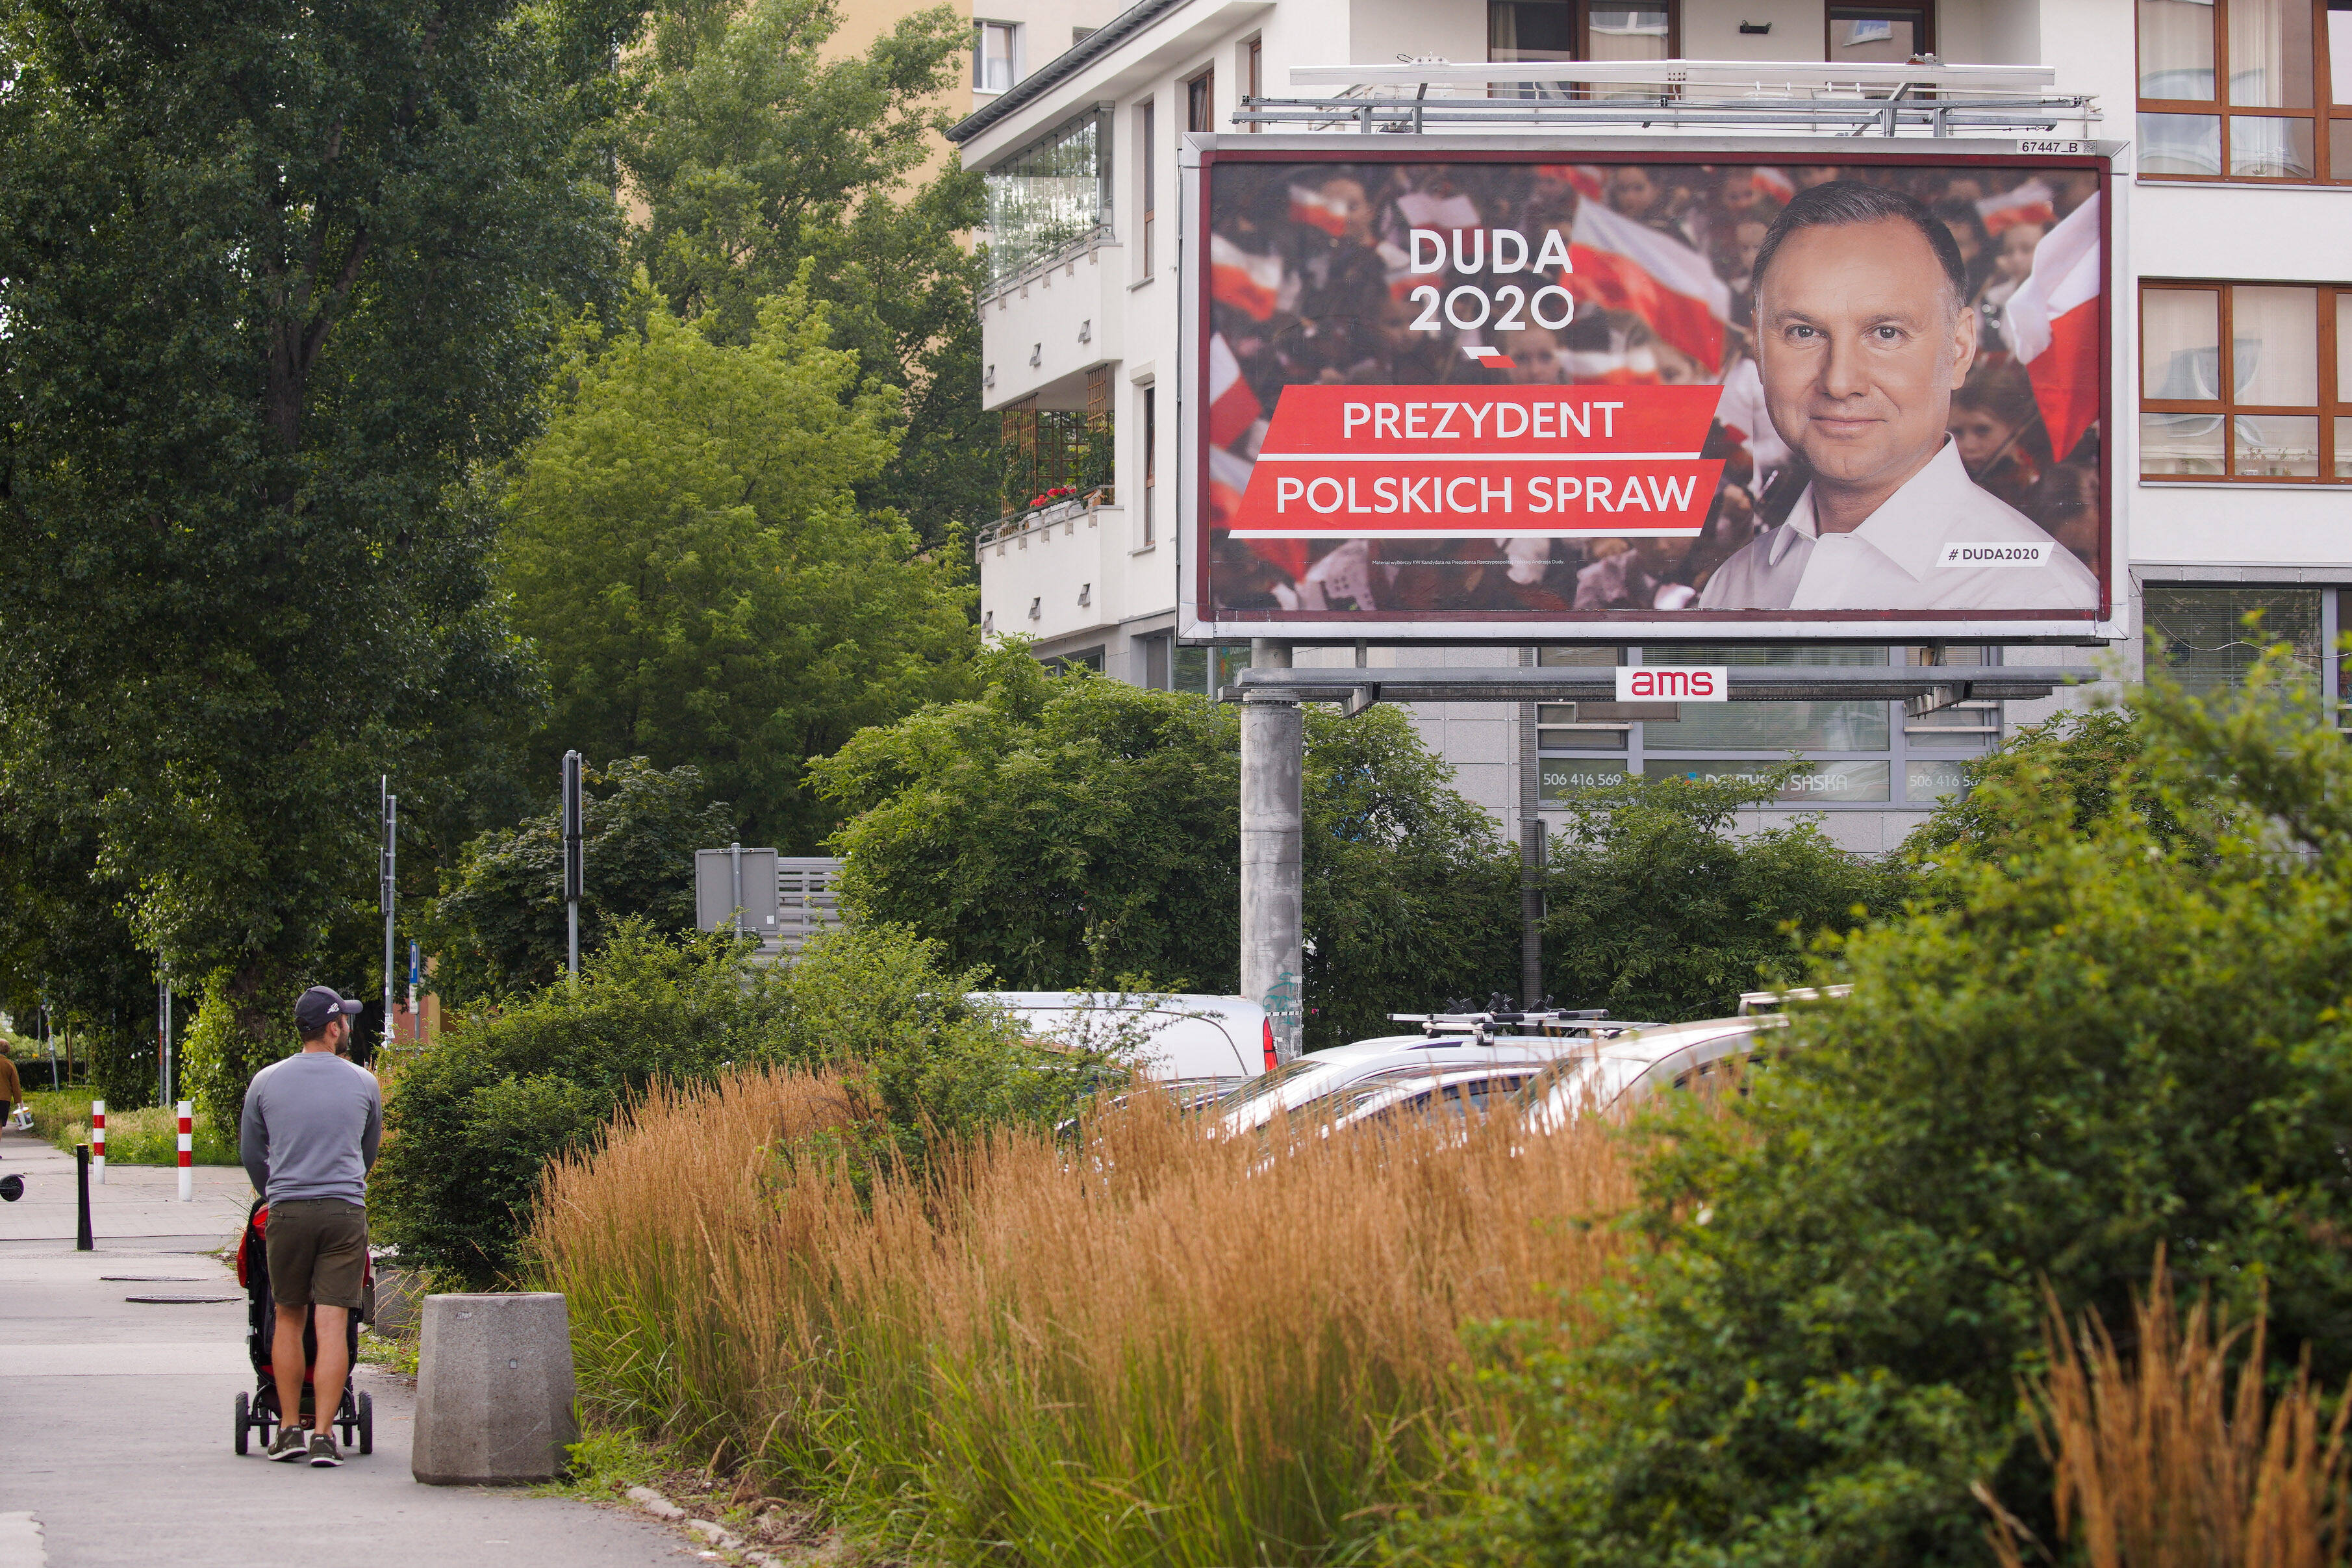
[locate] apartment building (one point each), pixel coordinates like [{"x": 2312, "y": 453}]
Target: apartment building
[{"x": 2227, "y": 445}]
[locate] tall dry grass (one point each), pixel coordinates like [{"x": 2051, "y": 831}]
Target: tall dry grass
[
  {"x": 1140, "y": 1348},
  {"x": 2178, "y": 1459}
]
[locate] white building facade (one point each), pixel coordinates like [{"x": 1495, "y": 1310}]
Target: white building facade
[{"x": 2229, "y": 433}]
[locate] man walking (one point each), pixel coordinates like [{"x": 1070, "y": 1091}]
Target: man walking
[{"x": 312, "y": 1125}]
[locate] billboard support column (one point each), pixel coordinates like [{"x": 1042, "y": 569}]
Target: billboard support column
[
  {"x": 1531, "y": 854},
  {"x": 1274, "y": 745}
]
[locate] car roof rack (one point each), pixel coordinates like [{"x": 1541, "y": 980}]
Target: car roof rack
[
  {"x": 1754, "y": 1002},
  {"x": 1482, "y": 1023}
]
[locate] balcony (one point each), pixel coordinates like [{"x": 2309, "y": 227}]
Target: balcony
[{"x": 1055, "y": 570}]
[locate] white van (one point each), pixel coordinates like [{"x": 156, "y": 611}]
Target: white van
[{"x": 1193, "y": 1044}]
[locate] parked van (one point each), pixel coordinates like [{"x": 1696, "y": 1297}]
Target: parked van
[{"x": 1197, "y": 1045}]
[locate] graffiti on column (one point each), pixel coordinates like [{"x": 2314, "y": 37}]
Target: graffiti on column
[{"x": 1282, "y": 1011}]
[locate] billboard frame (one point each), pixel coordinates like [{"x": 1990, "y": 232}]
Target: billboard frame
[{"x": 1200, "y": 151}]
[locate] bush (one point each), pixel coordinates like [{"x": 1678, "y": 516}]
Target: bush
[
  {"x": 1657, "y": 909},
  {"x": 224, "y": 1049},
  {"x": 473, "y": 1118},
  {"x": 2093, "y": 1043}
]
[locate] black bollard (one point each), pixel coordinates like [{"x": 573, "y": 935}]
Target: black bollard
[{"x": 81, "y": 1184}]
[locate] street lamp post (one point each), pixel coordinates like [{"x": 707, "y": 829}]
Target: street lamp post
[
  {"x": 574, "y": 868},
  {"x": 385, "y": 895}
]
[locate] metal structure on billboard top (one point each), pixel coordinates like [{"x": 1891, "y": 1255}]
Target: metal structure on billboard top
[
  {"x": 1921, "y": 688},
  {"x": 1921, "y": 98}
]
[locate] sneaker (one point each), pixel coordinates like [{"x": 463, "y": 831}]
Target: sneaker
[
  {"x": 322, "y": 1451},
  {"x": 291, "y": 1444}
]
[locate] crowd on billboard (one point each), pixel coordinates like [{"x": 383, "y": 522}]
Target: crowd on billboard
[{"x": 1911, "y": 423}]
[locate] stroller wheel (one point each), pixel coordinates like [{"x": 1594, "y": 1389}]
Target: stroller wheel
[
  {"x": 244, "y": 1423},
  {"x": 367, "y": 1424}
]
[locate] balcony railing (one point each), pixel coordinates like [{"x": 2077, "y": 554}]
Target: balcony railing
[{"x": 1062, "y": 508}]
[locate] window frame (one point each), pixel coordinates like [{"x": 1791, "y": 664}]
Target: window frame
[
  {"x": 1581, "y": 27},
  {"x": 2320, "y": 114},
  {"x": 1011, "y": 30},
  {"x": 1201, "y": 99},
  {"x": 2333, "y": 402},
  {"x": 1253, "y": 75},
  {"x": 1151, "y": 423},
  {"x": 1924, "y": 11}
]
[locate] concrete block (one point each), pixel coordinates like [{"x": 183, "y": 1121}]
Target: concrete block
[{"x": 494, "y": 1389}]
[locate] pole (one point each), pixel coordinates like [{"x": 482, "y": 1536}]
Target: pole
[
  {"x": 735, "y": 855},
  {"x": 415, "y": 1019},
  {"x": 164, "y": 1036},
  {"x": 81, "y": 1198},
  {"x": 1531, "y": 854},
  {"x": 387, "y": 896},
  {"x": 574, "y": 856},
  {"x": 187, "y": 1112},
  {"x": 1273, "y": 744},
  {"x": 97, "y": 1138}
]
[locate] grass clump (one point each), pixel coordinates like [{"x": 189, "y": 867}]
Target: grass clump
[
  {"x": 148, "y": 1137},
  {"x": 1143, "y": 1348}
]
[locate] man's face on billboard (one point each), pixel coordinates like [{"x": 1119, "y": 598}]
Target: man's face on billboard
[{"x": 1860, "y": 341}]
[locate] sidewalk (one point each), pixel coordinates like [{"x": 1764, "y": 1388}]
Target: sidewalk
[{"x": 116, "y": 1436}]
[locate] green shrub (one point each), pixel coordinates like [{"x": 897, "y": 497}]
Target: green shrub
[
  {"x": 475, "y": 1117},
  {"x": 1656, "y": 909},
  {"x": 2103, "y": 1037},
  {"x": 224, "y": 1049}
]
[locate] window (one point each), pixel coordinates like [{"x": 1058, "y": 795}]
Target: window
[
  {"x": 2245, "y": 381},
  {"x": 1580, "y": 30},
  {"x": 2207, "y": 648},
  {"x": 1147, "y": 153},
  {"x": 1206, "y": 669},
  {"x": 995, "y": 55},
  {"x": 1254, "y": 72},
  {"x": 1879, "y": 34},
  {"x": 1855, "y": 752},
  {"x": 1053, "y": 192},
  {"x": 1201, "y": 102},
  {"x": 2241, "y": 90},
  {"x": 1151, "y": 462}
]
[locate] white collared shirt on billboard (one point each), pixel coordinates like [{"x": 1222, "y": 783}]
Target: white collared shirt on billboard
[{"x": 1898, "y": 558}]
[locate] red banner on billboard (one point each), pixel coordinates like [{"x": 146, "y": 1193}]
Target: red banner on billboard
[{"x": 1423, "y": 461}]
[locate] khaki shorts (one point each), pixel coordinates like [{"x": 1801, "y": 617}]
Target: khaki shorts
[{"x": 316, "y": 1251}]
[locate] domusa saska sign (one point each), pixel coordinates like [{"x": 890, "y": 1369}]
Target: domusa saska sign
[{"x": 1453, "y": 388}]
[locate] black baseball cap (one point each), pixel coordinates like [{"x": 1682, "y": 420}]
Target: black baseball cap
[{"x": 318, "y": 1004}]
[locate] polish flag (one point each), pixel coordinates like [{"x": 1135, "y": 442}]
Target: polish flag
[
  {"x": 2051, "y": 325},
  {"x": 1312, "y": 206},
  {"x": 1620, "y": 264},
  {"x": 1250, "y": 284},
  {"x": 2030, "y": 203},
  {"x": 1233, "y": 407},
  {"x": 1426, "y": 209},
  {"x": 1229, "y": 478},
  {"x": 1583, "y": 178},
  {"x": 1775, "y": 184}
]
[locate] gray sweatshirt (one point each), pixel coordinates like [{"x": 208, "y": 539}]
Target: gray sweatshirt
[{"x": 313, "y": 1124}]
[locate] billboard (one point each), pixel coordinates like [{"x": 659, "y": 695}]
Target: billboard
[{"x": 1455, "y": 389}]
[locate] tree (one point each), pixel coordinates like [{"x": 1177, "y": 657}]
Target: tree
[
  {"x": 500, "y": 926},
  {"x": 1068, "y": 831},
  {"x": 757, "y": 155},
  {"x": 1657, "y": 909},
  {"x": 685, "y": 550},
  {"x": 2107, "y": 1039},
  {"x": 2086, "y": 756},
  {"x": 274, "y": 279}
]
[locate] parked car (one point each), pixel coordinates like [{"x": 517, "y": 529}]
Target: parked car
[
  {"x": 1471, "y": 1047},
  {"x": 1195, "y": 1047},
  {"x": 1620, "y": 1072}
]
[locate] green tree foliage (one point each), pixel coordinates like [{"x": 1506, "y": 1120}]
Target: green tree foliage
[
  {"x": 757, "y": 155},
  {"x": 2106, "y": 1039},
  {"x": 473, "y": 1118},
  {"x": 274, "y": 278},
  {"x": 1062, "y": 831},
  {"x": 500, "y": 927},
  {"x": 222, "y": 1050},
  {"x": 2086, "y": 756},
  {"x": 686, "y": 551},
  {"x": 1657, "y": 909}
]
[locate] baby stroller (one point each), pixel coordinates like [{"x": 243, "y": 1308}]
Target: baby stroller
[{"x": 258, "y": 1412}]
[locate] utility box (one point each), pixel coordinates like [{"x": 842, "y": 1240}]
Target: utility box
[{"x": 733, "y": 878}]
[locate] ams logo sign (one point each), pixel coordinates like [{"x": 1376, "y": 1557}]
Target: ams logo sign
[{"x": 1683, "y": 683}]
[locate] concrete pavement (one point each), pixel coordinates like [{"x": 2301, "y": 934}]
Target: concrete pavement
[{"x": 116, "y": 1419}]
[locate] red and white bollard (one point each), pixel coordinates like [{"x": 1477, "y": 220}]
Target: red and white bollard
[
  {"x": 187, "y": 1152},
  {"x": 97, "y": 1139}
]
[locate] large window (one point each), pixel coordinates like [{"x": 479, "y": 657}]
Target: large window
[
  {"x": 2247, "y": 382},
  {"x": 1053, "y": 192},
  {"x": 1580, "y": 30},
  {"x": 1863, "y": 752},
  {"x": 2241, "y": 90},
  {"x": 2208, "y": 647},
  {"x": 1879, "y": 35},
  {"x": 1201, "y": 102}
]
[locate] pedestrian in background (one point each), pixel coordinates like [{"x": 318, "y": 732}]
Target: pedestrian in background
[
  {"x": 311, "y": 1128},
  {"x": 12, "y": 1087}
]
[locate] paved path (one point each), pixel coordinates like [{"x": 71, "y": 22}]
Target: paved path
[{"x": 115, "y": 1419}]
